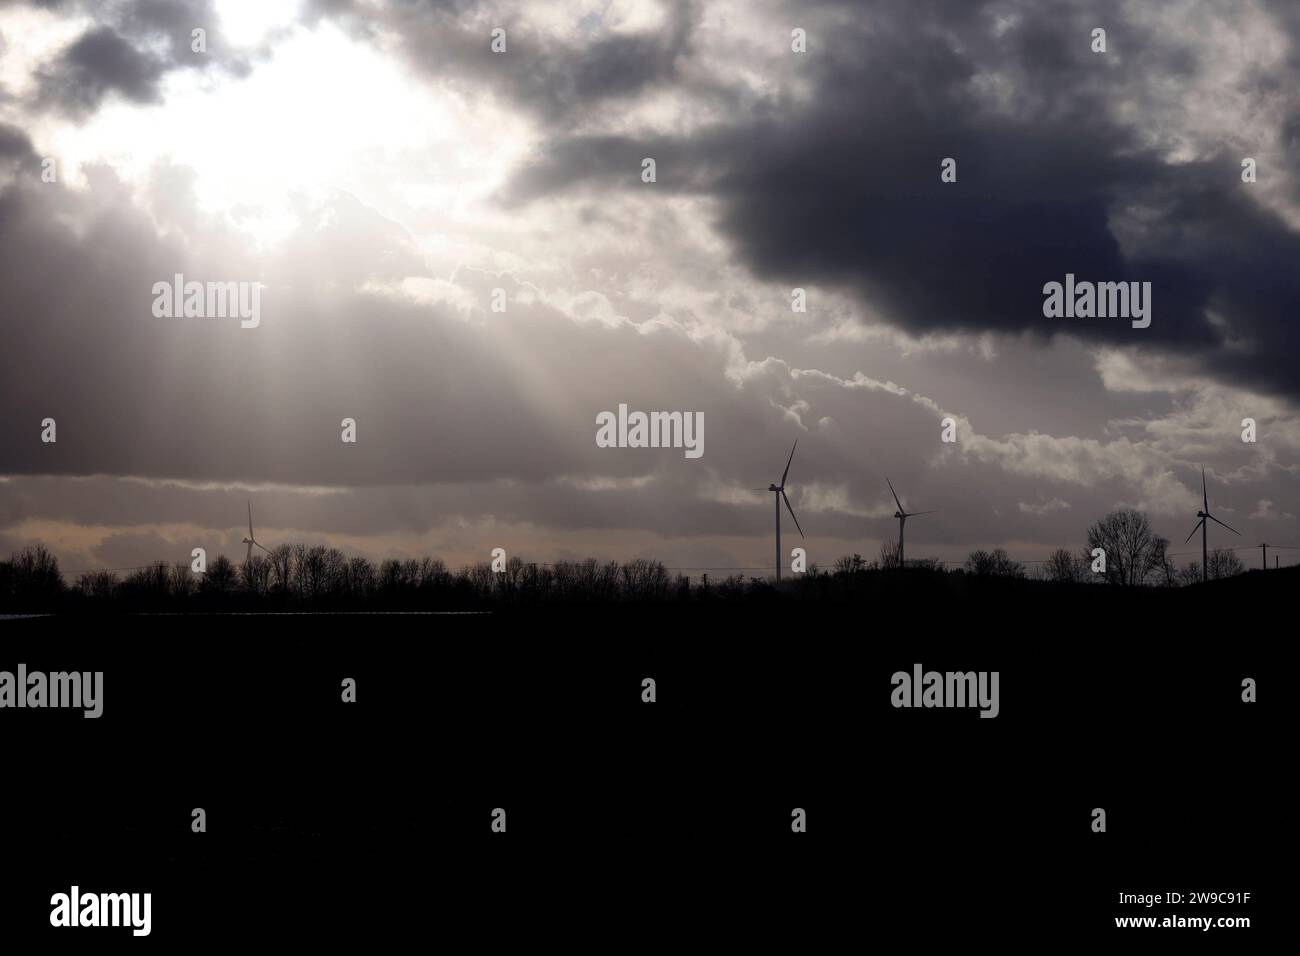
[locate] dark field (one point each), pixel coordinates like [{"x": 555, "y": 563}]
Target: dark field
[{"x": 372, "y": 819}]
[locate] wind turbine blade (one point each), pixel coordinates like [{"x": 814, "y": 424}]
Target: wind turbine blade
[
  {"x": 894, "y": 493},
  {"x": 250, "y": 519},
  {"x": 1205, "y": 495},
  {"x": 1196, "y": 529},
  {"x": 1229, "y": 527},
  {"x": 791, "y": 510},
  {"x": 787, "y": 464},
  {"x": 263, "y": 547},
  {"x": 913, "y": 514}
]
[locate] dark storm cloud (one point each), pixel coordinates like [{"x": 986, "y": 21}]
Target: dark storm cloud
[
  {"x": 844, "y": 190},
  {"x": 173, "y": 21},
  {"x": 132, "y": 47},
  {"x": 15, "y": 145},
  {"x": 98, "y": 63}
]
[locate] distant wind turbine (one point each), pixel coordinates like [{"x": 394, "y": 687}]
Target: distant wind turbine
[
  {"x": 779, "y": 492},
  {"x": 1203, "y": 515},
  {"x": 902, "y": 517},
  {"x": 250, "y": 540}
]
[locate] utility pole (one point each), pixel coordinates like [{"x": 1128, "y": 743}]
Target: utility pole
[{"x": 1265, "y": 549}]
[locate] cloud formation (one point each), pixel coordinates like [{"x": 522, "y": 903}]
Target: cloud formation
[{"x": 442, "y": 172}]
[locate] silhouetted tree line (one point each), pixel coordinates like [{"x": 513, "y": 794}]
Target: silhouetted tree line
[
  {"x": 320, "y": 578},
  {"x": 294, "y": 576}
]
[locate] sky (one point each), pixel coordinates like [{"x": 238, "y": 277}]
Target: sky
[{"x": 379, "y": 171}]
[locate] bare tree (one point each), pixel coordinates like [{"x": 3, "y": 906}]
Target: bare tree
[
  {"x": 995, "y": 563},
  {"x": 334, "y": 568},
  {"x": 299, "y": 573},
  {"x": 1134, "y": 552},
  {"x": 1064, "y": 565},
  {"x": 97, "y": 584},
  {"x": 183, "y": 583},
  {"x": 513, "y": 573},
  {"x": 309, "y": 571},
  {"x": 849, "y": 565},
  {"x": 481, "y": 577},
  {"x": 255, "y": 574},
  {"x": 432, "y": 575},
  {"x": 360, "y": 578},
  {"x": 220, "y": 577},
  {"x": 34, "y": 573},
  {"x": 282, "y": 567},
  {"x": 153, "y": 581},
  {"x": 889, "y": 554},
  {"x": 644, "y": 579},
  {"x": 1167, "y": 574},
  {"x": 1224, "y": 563},
  {"x": 565, "y": 579}
]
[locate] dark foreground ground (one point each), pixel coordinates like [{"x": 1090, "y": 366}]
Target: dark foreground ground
[{"x": 667, "y": 823}]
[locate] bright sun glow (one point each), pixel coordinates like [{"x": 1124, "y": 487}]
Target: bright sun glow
[
  {"x": 323, "y": 113},
  {"x": 244, "y": 22}
]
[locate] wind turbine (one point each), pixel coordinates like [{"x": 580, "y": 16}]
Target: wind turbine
[
  {"x": 1203, "y": 515},
  {"x": 779, "y": 492},
  {"x": 250, "y": 540},
  {"x": 902, "y": 517}
]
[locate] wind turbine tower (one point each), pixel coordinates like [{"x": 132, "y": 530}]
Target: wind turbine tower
[
  {"x": 1205, "y": 516},
  {"x": 902, "y": 517},
  {"x": 250, "y": 540},
  {"x": 778, "y": 492}
]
